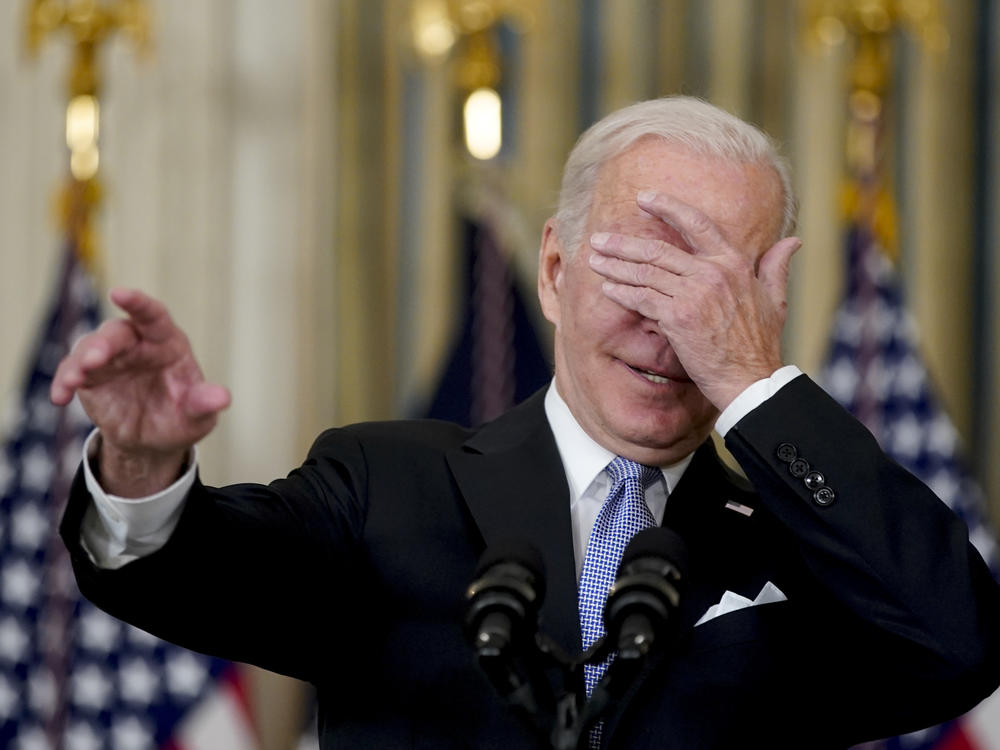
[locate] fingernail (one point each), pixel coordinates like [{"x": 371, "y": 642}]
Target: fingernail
[
  {"x": 596, "y": 259},
  {"x": 600, "y": 239},
  {"x": 646, "y": 196}
]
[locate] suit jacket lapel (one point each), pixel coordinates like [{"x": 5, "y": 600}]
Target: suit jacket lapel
[
  {"x": 696, "y": 510},
  {"x": 513, "y": 482}
]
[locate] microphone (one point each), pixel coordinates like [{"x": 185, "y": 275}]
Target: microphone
[
  {"x": 501, "y": 623},
  {"x": 640, "y": 609},
  {"x": 642, "y": 603},
  {"x": 504, "y": 597}
]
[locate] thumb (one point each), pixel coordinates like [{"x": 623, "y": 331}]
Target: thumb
[
  {"x": 206, "y": 399},
  {"x": 773, "y": 269}
]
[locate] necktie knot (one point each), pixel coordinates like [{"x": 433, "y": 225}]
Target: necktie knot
[{"x": 623, "y": 469}]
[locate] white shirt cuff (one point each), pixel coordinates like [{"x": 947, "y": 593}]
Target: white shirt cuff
[
  {"x": 755, "y": 395},
  {"x": 117, "y": 530}
]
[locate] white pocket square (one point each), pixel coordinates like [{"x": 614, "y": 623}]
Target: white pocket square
[{"x": 731, "y": 602}]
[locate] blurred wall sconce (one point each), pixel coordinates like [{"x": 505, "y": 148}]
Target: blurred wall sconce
[
  {"x": 82, "y": 129},
  {"x": 482, "y": 123}
]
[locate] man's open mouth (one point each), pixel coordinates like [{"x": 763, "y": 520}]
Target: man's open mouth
[{"x": 652, "y": 377}]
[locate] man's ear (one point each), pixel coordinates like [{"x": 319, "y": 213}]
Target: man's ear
[{"x": 551, "y": 260}]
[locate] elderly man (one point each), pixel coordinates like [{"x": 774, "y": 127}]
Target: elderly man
[{"x": 861, "y": 609}]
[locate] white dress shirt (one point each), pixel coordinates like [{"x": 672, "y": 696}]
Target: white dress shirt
[
  {"x": 117, "y": 530},
  {"x": 584, "y": 462}
]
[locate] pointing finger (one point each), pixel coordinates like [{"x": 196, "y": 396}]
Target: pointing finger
[{"x": 148, "y": 314}]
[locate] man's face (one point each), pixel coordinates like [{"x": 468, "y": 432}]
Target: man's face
[{"x": 617, "y": 372}]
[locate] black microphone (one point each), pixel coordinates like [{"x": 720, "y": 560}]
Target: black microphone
[
  {"x": 504, "y": 597},
  {"x": 501, "y": 623},
  {"x": 642, "y": 603},
  {"x": 638, "y": 613}
]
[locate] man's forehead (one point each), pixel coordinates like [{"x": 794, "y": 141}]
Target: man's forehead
[{"x": 743, "y": 199}]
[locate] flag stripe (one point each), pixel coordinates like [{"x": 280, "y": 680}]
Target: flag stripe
[{"x": 221, "y": 721}]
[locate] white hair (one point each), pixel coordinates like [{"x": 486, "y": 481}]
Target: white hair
[{"x": 682, "y": 120}]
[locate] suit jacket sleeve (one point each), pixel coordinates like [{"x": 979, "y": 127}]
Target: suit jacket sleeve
[
  {"x": 888, "y": 554},
  {"x": 240, "y": 576}
]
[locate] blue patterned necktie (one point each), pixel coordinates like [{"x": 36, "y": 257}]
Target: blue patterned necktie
[{"x": 623, "y": 515}]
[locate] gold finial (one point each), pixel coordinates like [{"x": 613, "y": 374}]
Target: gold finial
[
  {"x": 872, "y": 25},
  {"x": 88, "y": 23},
  {"x": 438, "y": 26},
  {"x": 469, "y": 28}
]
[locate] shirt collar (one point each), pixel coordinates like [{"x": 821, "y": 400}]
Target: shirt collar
[{"x": 583, "y": 458}]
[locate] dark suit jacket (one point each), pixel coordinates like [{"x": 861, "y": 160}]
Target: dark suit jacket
[{"x": 350, "y": 573}]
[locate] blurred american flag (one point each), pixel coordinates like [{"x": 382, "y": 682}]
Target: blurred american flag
[
  {"x": 874, "y": 369},
  {"x": 71, "y": 676}
]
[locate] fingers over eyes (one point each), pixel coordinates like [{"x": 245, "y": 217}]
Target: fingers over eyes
[
  {"x": 657, "y": 253},
  {"x": 635, "y": 274},
  {"x": 643, "y": 300}
]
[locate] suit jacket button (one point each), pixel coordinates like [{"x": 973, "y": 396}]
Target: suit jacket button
[
  {"x": 787, "y": 452},
  {"x": 814, "y": 480},
  {"x": 798, "y": 468},
  {"x": 824, "y": 496}
]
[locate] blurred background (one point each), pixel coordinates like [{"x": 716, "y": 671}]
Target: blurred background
[{"x": 294, "y": 180}]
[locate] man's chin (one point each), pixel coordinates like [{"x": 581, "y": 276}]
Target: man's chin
[{"x": 671, "y": 440}]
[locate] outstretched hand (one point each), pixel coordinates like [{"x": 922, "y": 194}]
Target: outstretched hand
[
  {"x": 139, "y": 382},
  {"x": 721, "y": 309}
]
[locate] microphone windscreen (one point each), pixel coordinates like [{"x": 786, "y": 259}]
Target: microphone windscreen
[
  {"x": 517, "y": 552},
  {"x": 658, "y": 541}
]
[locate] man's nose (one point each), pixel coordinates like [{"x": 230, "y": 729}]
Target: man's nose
[{"x": 650, "y": 326}]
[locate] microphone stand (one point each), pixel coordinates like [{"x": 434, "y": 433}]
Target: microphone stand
[
  {"x": 502, "y": 618},
  {"x": 562, "y": 721},
  {"x": 576, "y": 715},
  {"x": 558, "y": 718}
]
